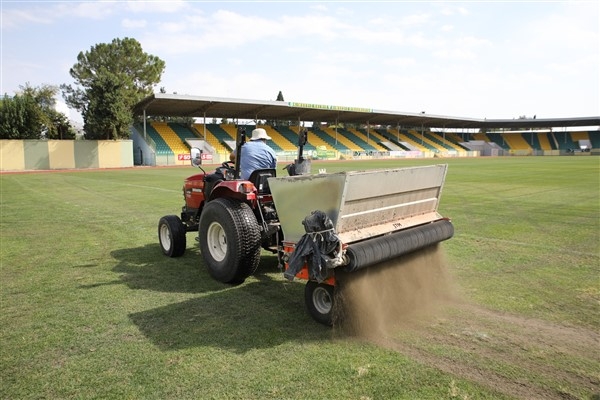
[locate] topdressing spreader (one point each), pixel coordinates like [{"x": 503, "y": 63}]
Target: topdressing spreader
[{"x": 317, "y": 224}]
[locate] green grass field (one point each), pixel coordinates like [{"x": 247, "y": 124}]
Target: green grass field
[{"x": 91, "y": 309}]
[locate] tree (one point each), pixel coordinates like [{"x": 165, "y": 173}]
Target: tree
[
  {"x": 31, "y": 114},
  {"x": 111, "y": 78},
  {"x": 19, "y": 118},
  {"x": 274, "y": 122}
]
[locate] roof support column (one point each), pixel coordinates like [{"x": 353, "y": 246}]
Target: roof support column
[
  {"x": 145, "y": 124},
  {"x": 444, "y": 134}
]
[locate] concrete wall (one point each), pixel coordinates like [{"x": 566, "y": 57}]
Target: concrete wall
[
  {"x": 143, "y": 154},
  {"x": 12, "y": 155},
  {"x": 23, "y": 155}
]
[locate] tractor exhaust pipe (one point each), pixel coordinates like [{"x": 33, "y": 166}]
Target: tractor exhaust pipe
[{"x": 384, "y": 248}]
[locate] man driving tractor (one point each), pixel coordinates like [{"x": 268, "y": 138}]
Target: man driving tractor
[{"x": 256, "y": 154}]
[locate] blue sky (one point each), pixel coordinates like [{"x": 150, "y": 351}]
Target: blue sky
[{"x": 463, "y": 59}]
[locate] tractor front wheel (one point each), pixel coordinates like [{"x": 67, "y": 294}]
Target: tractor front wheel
[
  {"x": 229, "y": 238},
  {"x": 319, "y": 301},
  {"x": 171, "y": 236}
]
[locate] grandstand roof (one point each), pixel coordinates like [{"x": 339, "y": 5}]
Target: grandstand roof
[{"x": 173, "y": 105}]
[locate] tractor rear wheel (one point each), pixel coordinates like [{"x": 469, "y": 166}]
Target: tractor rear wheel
[
  {"x": 229, "y": 238},
  {"x": 319, "y": 301},
  {"x": 171, "y": 236}
]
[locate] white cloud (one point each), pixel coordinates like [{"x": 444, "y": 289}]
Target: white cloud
[
  {"x": 171, "y": 28},
  {"x": 455, "y": 54},
  {"x": 319, "y": 7},
  {"x": 463, "y": 11},
  {"x": 399, "y": 61},
  {"x": 84, "y": 10},
  {"x": 35, "y": 13},
  {"x": 468, "y": 59},
  {"x": 453, "y": 10},
  {"x": 156, "y": 7},
  {"x": 134, "y": 23},
  {"x": 17, "y": 18}
]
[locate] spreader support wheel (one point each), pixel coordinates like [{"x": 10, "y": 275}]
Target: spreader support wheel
[{"x": 319, "y": 299}]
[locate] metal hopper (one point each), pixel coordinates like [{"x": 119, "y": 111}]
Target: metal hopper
[{"x": 378, "y": 215}]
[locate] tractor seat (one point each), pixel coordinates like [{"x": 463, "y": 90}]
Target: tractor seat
[{"x": 259, "y": 179}]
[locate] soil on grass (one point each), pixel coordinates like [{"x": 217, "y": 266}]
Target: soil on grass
[{"x": 412, "y": 306}]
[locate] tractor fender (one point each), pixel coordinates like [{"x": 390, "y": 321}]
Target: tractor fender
[{"x": 237, "y": 189}]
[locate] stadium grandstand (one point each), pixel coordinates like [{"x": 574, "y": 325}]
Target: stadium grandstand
[{"x": 337, "y": 132}]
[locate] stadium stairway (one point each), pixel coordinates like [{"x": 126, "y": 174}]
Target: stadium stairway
[
  {"x": 279, "y": 142},
  {"x": 315, "y": 140},
  {"x": 595, "y": 139},
  {"x": 454, "y": 138},
  {"x": 367, "y": 144},
  {"x": 183, "y": 131},
  {"x": 577, "y": 136},
  {"x": 533, "y": 140},
  {"x": 443, "y": 143},
  {"x": 372, "y": 137},
  {"x": 231, "y": 131},
  {"x": 515, "y": 141},
  {"x": 211, "y": 138},
  {"x": 170, "y": 137},
  {"x": 392, "y": 136},
  {"x": 424, "y": 141},
  {"x": 162, "y": 148},
  {"x": 343, "y": 143},
  {"x": 481, "y": 136},
  {"x": 292, "y": 137},
  {"x": 319, "y": 136},
  {"x": 564, "y": 141},
  {"x": 543, "y": 141},
  {"x": 497, "y": 138}
]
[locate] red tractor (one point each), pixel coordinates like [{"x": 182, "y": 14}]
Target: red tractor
[
  {"x": 315, "y": 223},
  {"x": 235, "y": 218}
]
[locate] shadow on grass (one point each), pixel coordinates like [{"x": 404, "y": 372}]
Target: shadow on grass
[
  {"x": 257, "y": 314},
  {"x": 263, "y": 312},
  {"x": 148, "y": 268}
]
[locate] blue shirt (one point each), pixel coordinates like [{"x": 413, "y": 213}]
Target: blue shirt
[{"x": 256, "y": 155}]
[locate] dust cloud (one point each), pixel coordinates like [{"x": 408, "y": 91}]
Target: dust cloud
[{"x": 375, "y": 301}]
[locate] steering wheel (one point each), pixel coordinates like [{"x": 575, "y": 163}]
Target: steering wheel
[{"x": 228, "y": 164}]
